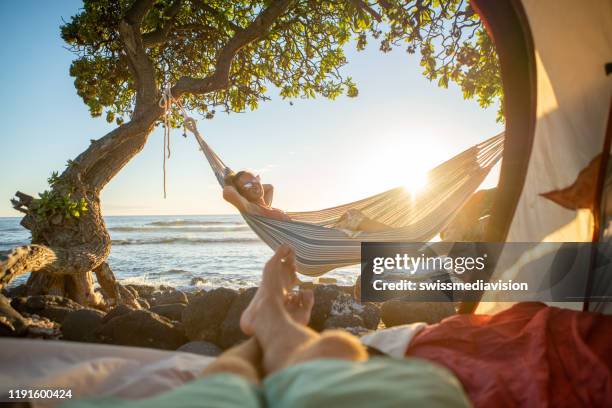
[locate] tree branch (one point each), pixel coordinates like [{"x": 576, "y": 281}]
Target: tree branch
[
  {"x": 161, "y": 34},
  {"x": 220, "y": 77},
  {"x": 138, "y": 62},
  {"x": 218, "y": 15},
  {"x": 360, "y": 4},
  {"x": 138, "y": 11}
]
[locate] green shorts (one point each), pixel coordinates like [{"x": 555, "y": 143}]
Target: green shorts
[{"x": 380, "y": 382}]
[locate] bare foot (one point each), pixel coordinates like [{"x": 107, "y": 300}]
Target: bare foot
[
  {"x": 278, "y": 278},
  {"x": 299, "y": 306}
]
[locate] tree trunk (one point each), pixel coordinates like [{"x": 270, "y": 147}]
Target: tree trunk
[{"x": 67, "y": 251}]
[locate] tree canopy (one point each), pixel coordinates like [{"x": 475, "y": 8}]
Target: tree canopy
[{"x": 299, "y": 49}]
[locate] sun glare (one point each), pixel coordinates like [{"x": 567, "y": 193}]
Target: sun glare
[{"x": 416, "y": 181}]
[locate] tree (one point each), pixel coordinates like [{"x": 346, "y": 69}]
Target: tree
[{"x": 215, "y": 55}]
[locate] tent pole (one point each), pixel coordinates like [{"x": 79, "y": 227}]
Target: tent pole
[
  {"x": 599, "y": 187},
  {"x": 507, "y": 24}
]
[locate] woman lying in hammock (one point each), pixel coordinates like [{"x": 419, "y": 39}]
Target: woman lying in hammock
[{"x": 245, "y": 192}]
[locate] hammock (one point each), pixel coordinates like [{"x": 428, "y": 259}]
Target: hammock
[{"x": 320, "y": 248}]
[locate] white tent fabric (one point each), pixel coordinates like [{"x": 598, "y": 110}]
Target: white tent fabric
[{"x": 572, "y": 44}]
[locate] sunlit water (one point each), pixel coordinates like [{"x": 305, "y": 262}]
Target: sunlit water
[{"x": 173, "y": 250}]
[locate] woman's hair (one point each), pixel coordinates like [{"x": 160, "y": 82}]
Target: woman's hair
[{"x": 232, "y": 178}]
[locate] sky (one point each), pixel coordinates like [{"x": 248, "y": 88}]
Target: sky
[{"x": 317, "y": 153}]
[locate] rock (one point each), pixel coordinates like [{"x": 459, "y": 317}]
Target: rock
[
  {"x": 324, "y": 296},
  {"x": 345, "y": 304},
  {"x": 133, "y": 291},
  {"x": 204, "y": 314},
  {"x": 117, "y": 311},
  {"x": 42, "y": 328},
  {"x": 231, "y": 333},
  {"x": 167, "y": 297},
  {"x": 142, "y": 328},
  {"x": 81, "y": 325},
  {"x": 370, "y": 315},
  {"x": 15, "y": 291},
  {"x": 343, "y": 321},
  {"x": 396, "y": 312},
  {"x": 12, "y": 323},
  {"x": 203, "y": 348},
  {"x": 55, "y": 308},
  {"x": 144, "y": 291},
  {"x": 193, "y": 295},
  {"x": 143, "y": 303},
  {"x": 128, "y": 296},
  {"x": 172, "y": 311}
]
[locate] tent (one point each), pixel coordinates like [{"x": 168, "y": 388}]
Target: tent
[{"x": 555, "y": 58}]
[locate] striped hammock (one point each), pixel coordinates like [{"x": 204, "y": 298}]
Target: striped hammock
[{"x": 320, "y": 248}]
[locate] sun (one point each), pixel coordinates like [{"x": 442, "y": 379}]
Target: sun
[{"x": 416, "y": 181}]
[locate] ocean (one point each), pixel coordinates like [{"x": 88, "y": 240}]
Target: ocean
[{"x": 187, "y": 252}]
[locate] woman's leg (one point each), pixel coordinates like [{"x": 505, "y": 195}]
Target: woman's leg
[
  {"x": 356, "y": 220},
  {"x": 279, "y": 326},
  {"x": 370, "y": 225}
]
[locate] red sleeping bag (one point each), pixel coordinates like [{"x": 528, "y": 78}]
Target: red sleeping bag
[{"x": 530, "y": 355}]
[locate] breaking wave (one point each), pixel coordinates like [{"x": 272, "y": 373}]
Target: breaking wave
[
  {"x": 174, "y": 223},
  {"x": 200, "y": 228},
  {"x": 182, "y": 240}
]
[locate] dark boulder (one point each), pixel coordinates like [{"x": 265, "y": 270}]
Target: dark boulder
[
  {"x": 117, "y": 311},
  {"x": 204, "y": 314},
  {"x": 15, "y": 291},
  {"x": 12, "y": 323},
  {"x": 172, "y": 311},
  {"x": 55, "y": 308},
  {"x": 193, "y": 295},
  {"x": 143, "y": 303},
  {"x": 396, "y": 312},
  {"x": 142, "y": 328},
  {"x": 324, "y": 297},
  {"x": 203, "y": 348},
  {"x": 370, "y": 315},
  {"x": 81, "y": 325},
  {"x": 133, "y": 291},
  {"x": 143, "y": 291},
  {"x": 167, "y": 297},
  {"x": 231, "y": 334},
  {"x": 345, "y": 304}
]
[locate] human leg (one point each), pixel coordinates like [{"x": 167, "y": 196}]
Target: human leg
[
  {"x": 285, "y": 340},
  {"x": 243, "y": 360}
]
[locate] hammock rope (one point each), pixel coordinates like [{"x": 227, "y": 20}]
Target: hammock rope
[{"x": 321, "y": 247}]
